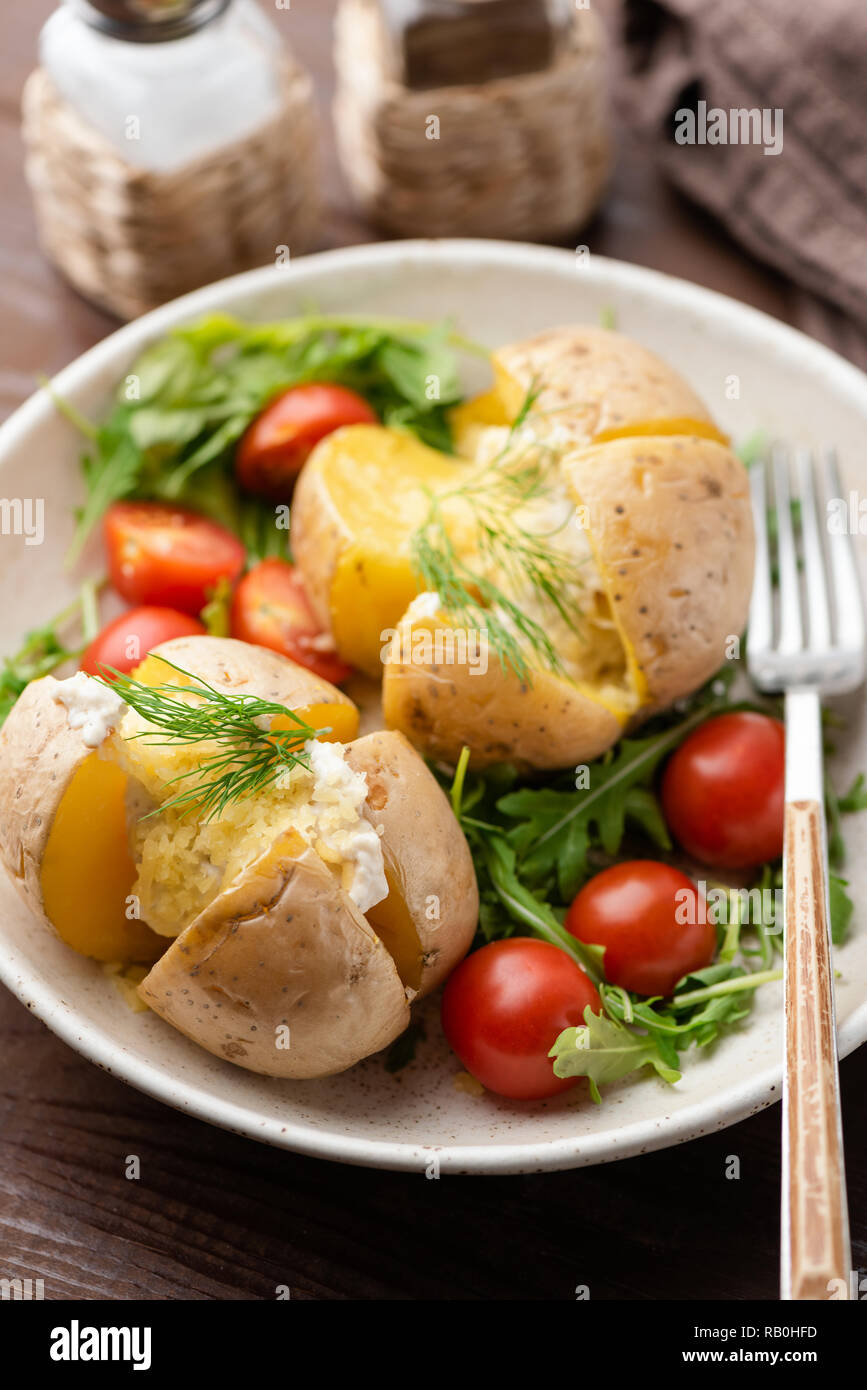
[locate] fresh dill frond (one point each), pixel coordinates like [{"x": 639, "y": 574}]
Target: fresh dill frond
[
  {"x": 510, "y": 556},
  {"x": 250, "y": 755}
]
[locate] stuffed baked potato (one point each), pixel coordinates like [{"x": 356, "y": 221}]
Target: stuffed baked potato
[
  {"x": 634, "y": 493},
  {"x": 290, "y": 931}
]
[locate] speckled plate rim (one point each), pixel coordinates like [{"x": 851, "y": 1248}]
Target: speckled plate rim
[{"x": 742, "y": 1099}]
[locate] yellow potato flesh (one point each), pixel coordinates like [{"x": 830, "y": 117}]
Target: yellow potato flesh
[
  {"x": 341, "y": 721},
  {"x": 87, "y": 868},
  {"x": 680, "y": 425},
  {"x": 498, "y": 407},
  {"x": 472, "y": 416},
  {"x": 395, "y": 928},
  {"x": 379, "y": 482},
  {"x": 88, "y": 871}
]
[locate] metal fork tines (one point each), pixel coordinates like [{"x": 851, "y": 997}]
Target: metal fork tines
[
  {"x": 814, "y": 635},
  {"x": 806, "y": 638}
]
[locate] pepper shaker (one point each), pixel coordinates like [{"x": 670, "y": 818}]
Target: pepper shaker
[{"x": 473, "y": 117}]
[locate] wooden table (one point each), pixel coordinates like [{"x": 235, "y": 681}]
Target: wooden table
[{"x": 218, "y": 1217}]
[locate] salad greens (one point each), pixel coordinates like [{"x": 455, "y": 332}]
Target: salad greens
[
  {"x": 534, "y": 846},
  {"x": 170, "y": 436},
  {"x": 186, "y": 401},
  {"x": 47, "y": 647}
]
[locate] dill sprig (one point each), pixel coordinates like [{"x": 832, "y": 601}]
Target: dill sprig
[
  {"x": 505, "y": 547},
  {"x": 250, "y": 755}
]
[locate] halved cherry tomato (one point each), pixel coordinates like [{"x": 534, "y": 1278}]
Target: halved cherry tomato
[
  {"x": 648, "y": 916},
  {"x": 168, "y": 556},
  {"x": 504, "y": 1008},
  {"x": 271, "y": 452},
  {"x": 723, "y": 791},
  {"x": 271, "y": 609},
  {"x": 125, "y": 642}
]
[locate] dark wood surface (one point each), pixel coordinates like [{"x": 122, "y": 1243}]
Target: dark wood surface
[{"x": 214, "y": 1216}]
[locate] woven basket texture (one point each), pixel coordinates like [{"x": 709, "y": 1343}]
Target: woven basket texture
[
  {"x": 519, "y": 157},
  {"x": 130, "y": 239}
]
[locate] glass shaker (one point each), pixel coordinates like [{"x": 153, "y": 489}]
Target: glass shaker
[{"x": 169, "y": 143}]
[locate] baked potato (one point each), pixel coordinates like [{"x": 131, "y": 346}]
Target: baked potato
[
  {"x": 359, "y": 497},
  {"x": 646, "y": 515},
  {"x": 289, "y": 932},
  {"x": 592, "y": 385}
]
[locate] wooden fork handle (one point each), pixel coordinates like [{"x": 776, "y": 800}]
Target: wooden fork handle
[{"x": 815, "y": 1218}]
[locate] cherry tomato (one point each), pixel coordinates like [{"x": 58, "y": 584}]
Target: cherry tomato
[
  {"x": 168, "y": 556},
  {"x": 504, "y": 1008},
  {"x": 271, "y": 609},
  {"x": 127, "y": 641},
  {"x": 634, "y": 910},
  {"x": 271, "y": 452},
  {"x": 723, "y": 791}
]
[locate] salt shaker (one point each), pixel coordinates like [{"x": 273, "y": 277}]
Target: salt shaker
[{"x": 169, "y": 143}]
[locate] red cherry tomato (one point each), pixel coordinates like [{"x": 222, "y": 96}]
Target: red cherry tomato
[
  {"x": 127, "y": 641},
  {"x": 271, "y": 452},
  {"x": 636, "y": 911},
  {"x": 168, "y": 556},
  {"x": 271, "y": 609},
  {"x": 723, "y": 791},
  {"x": 504, "y": 1008}
]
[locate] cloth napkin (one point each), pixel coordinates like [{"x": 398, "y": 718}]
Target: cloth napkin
[{"x": 803, "y": 210}]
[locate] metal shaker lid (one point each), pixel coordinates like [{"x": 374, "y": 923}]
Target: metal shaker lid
[{"x": 149, "y": 21}]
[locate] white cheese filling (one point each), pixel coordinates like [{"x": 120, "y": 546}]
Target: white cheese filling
[
  {"x": 90, "y": 706},
  {"x": 339, "y": 829},
  {"x": 425, "y": 605}
]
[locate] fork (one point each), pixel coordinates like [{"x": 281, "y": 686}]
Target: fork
[{"x": 807, "y": 646}]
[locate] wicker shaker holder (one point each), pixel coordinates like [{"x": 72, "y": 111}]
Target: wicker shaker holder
[
  {"x": 129, "y": 239},
  {"x": 524, "y": 156}
]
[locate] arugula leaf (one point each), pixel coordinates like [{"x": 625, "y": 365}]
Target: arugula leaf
[
  {"x": 701, "y": 1005},
  {"x": 753, "y": 448},
  {"x": 215, "y": 614},
  {"x": 45, "y": 648},
  {"x": 855, "y": 799},
  {"x": 525, "y": 908},
  {"x": 189, "y": 397},
  {"x": 643, "y": 809},
  {"x": 841, "y": 906},
  {"x": 604, "y": 1050},
  {"x": 548, "y": 818},
  {"x": 402, "y": 1050}
]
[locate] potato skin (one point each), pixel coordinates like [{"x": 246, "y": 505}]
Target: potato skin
[
  {"x": 241, "y": 668},
  {"x": 39, "y": 755},
  {"x": 319, "y": 538},
  {"x": 547, "y": 724},
  {"x": 284, "y": 946},
  {"x": 591, "y": 380},
  {"x": 422, "y": 840},
  {"x": 671, "y": 526}
]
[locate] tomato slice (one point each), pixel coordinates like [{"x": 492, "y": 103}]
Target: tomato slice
[
  {"x": 648, "y": 916},
  {"x": 504, "y": 1008},
  {"x": 168, "y": 556},
  {"x": 723, "y": 791},
  {"x": 127, "y": 640},
  {"x": 271, "y": 609},
  {"x": 275, "y": 446}
]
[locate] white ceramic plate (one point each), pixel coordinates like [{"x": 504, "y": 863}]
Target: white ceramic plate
[{"x": 753, "y": 372}]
